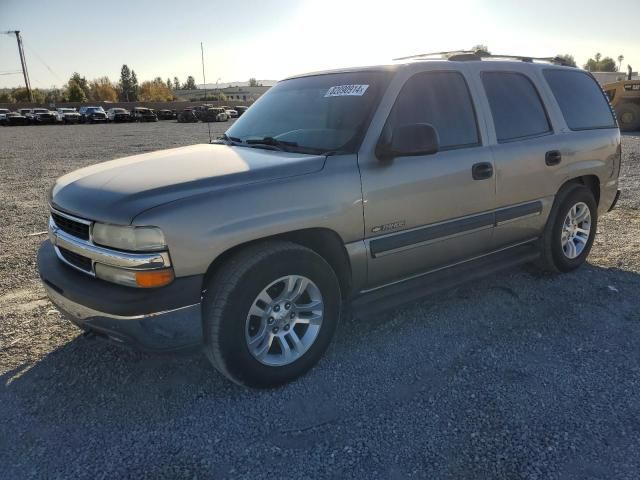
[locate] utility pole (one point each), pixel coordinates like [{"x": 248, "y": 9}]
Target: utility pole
[{"x": 27, "y": 83}]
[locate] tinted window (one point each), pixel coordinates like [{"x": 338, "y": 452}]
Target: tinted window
[
  {"x": 580, "y": 98},
  {"x": 316, "y": 113},
  {"x": 441, "y": 99},
  {"x": 515, "y": 105}
]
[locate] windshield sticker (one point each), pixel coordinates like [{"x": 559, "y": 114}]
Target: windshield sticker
[{"x": 346, "y": 91}]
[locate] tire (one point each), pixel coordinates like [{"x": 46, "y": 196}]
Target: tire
[
  {"x": 628, "y": 117},
  {"x": 233, "y": 291},
  {"x": 555, "y": 257}
]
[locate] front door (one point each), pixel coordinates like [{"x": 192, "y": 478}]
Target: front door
[{"x": 425, "y": 212}]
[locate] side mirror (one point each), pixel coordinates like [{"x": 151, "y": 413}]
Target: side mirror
[{"x": 410, "y": 141}]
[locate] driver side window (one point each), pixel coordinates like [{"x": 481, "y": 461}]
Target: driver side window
[{"x": 441, "y": 99}]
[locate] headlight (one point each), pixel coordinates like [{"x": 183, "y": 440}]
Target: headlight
[{"x": 129, "y": 238}]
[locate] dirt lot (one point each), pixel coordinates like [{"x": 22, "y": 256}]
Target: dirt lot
[{"x": 519, "y": 376}]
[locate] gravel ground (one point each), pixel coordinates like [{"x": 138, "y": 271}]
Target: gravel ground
[{"x": 520, "y": 376}]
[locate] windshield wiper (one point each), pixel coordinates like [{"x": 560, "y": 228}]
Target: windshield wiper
[
  {"x": 230, "y": 140},
  {"x": 270, "y": 142}
]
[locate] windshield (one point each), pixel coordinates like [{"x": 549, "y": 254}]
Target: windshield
[
  {"x": 95, "y": 109},
  {"x": 317, "y": 113}
]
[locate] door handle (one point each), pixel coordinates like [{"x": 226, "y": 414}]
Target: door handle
[
  {"x": 553, "y": 157},
  {"x": 482, "y": 171}
]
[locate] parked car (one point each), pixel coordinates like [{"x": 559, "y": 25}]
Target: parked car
[
  {"x": 368, "y": 187},
  {"x": 3, "y": 114},
  {"x": 67, "y": 115},
  {"x": 90, "y": 114},
  {"x": 143, "y": 114},
  {"x": 188, "y": 115},
  {"x": 213, "y": 114},
  {"x": 240, "y": 109},
  {"x": 231, "y": 113},
  {"x": 118, "y": 115},
  {"x": 165, "y": 115},
  {"x": 41, "y": 116},
  {"x": 13, "y": 118}
]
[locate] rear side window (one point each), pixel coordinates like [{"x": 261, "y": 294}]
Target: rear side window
[
  {"x": 441, "y": 99},
  {"x": 515, "y": 105},
  {"x": 580, "y": 99}
]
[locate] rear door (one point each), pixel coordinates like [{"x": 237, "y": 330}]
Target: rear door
[
  {"x": 424, "y": 212},
  {"x": 547, "y": 125},
  {"x": 527, "y": 152}
]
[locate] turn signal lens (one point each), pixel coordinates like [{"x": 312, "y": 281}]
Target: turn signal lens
[
  {"x": 154, "y": 278},
  {"x": 134, "y": 278}
]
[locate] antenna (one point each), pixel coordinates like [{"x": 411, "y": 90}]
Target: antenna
[{"x": 204, "y": 83}]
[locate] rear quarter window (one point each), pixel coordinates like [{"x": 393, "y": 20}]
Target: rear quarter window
[
  {"x": 518, "y": 112},
  {"x": 581, "y": 100}
]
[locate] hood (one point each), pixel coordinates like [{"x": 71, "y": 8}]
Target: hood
[{"x": 118, "y": 190}]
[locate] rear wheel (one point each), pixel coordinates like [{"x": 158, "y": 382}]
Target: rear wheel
[
  {"x": 570, "y": 230},
  {"x": 628, "y": 116},
  {"x": 270, "y": 313}
]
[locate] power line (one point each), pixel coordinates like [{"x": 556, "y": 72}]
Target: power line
[{"x": 31, "y": 50}]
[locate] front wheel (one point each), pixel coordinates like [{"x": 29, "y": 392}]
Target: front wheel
[
  {"x": 270, "y": 313},
  {"x": 571, "y": 229}
]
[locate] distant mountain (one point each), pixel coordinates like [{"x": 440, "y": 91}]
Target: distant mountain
[{"x": 266, "y": 83}]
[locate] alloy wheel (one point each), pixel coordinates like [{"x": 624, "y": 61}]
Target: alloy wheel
[
  {"x": 576, "y": 230},
  {"x": 284, "y": 320}
]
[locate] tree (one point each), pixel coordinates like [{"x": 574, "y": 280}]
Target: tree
[
  {"x": 190, "y": 83},
  {"x": 253, "y": 82},
  {"x": 176, "y": 83},
  {"x": 599, "y": 64},
  {"x": 125, "y": 83},
  {"x": 620, "y": 59},
  {"x": 6, "y": 97},
  {"x": 21, "y": 95},
  {"x": 55, "y": 95},
  {"x": 102, "y": 90},
  {"x": 169, "y": 84},
  {"x": 567, "y": 59},
  {"x": 74, "y": 93},
  {"x": 155, "y": 91},
  {"x": 481, "y": 50},
  {"x": 82, "y": 83},
  {"x": 134, "y": 86}
]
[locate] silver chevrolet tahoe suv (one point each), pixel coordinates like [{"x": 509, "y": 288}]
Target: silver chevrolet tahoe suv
[{"x": 364, "y": 187}]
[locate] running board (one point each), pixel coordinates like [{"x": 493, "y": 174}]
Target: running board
[{"x": 410, "y": 290}]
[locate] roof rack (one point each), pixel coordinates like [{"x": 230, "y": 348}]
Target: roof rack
[{"x": 468, "y": 55}]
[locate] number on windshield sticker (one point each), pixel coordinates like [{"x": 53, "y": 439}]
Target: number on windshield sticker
[{"x": 346, "y": 91}]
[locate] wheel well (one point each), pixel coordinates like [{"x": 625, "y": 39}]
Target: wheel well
[
  {"x": 323, "y": 241},
  {"x": 591, "y": 182}
]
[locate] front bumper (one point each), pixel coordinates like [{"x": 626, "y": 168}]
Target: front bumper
[
  {"x": 615, "y": 200},
  {"x": 162, "y": 319}
]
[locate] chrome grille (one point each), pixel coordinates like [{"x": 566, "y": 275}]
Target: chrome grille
[
  {"x": 72, "y": 227},
  {"x": 83, "y": 263}
]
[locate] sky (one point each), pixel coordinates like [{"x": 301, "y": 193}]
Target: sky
[{"x": 273, "y": 39}]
